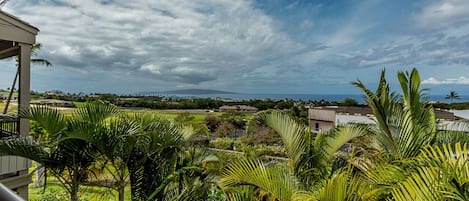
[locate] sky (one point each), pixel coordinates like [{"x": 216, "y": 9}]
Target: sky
[{"x": 246, "y": 46}]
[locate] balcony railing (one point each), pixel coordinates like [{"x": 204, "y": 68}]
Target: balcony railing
[{"x": 9, "y": 127}]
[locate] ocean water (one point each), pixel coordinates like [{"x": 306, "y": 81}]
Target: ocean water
[{"x": 304, "y": 97}]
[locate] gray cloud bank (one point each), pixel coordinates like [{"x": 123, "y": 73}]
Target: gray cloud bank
[{"x": 189, "y": 42}]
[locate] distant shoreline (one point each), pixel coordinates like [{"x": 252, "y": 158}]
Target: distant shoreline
[{"x": 303, "y": 97}]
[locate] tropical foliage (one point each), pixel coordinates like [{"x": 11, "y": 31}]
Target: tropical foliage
[{"x": 404, "y": 156}]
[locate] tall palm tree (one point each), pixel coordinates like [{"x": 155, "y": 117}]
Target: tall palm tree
[
  {"x": 36, "y": 47},
  {"x": 452, "y": 96},
  {"x": 68, "y": 159}
]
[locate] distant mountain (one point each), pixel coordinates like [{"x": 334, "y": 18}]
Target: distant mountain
[{"x": 197, "y": 92}]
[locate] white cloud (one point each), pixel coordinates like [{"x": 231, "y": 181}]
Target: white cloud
[
  {"x": 189, "y": 42},
  {"x": 458, "y": 81},
  {"x": 443, "y": 13}
]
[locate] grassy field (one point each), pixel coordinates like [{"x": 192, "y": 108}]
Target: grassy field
[{"x": 12, "y": 109}]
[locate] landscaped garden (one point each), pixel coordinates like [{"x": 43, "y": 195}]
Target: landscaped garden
[{"x": 98, "y": 151}]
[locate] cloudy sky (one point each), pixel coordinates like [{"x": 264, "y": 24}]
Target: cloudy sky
[{"x": 275, "y": 46}]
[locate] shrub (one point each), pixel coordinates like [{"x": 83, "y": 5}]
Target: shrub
[
  {"x": 225, "y": 129},
  {"x": 222, "y": 143}
]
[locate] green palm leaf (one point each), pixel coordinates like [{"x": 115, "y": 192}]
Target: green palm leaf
[
  {"x": 340, "y": 137},
  {"x": 276, "y": 183},
  {"x": 48, "y": 118},
  {"x": 24, "y": 147},
  {"x": 340, "y": 187},
  {"x": 295, "y": 137}
]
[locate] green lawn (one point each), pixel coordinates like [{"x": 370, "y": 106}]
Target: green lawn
[
  {"x": 55, "y": 191},
  {"x": 199, "y": 115}
]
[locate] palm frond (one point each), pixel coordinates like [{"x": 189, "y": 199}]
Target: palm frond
[
  {"x": 340, "y": 137},
  {"x": 420, "y": 186},
  {"x": 24, "y": 147},
  {"x": 277, "y": 182},
  {"x": 187, "y": 132},
  {"x": 41, "y": 62},
  {"x": 383, "y": 104},
  {"x": 95, "y": 112},
  {"x": 340, "y": 187},
  {"x": 50, "y": 119},
  {"x": 294, "y": 136}
]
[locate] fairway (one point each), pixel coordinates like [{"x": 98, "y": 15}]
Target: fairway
[{"x": 199, "y": 115}]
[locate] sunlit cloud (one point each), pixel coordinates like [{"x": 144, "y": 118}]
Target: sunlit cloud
[{"x": 458, "y": 81}]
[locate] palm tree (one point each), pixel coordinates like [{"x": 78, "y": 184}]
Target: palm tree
[
  {"x": 436, "y": 174},
  {"x": 405, "y": 124},
  {"x": 2, "y": 3},
  {"x": 412, "y": 164},
  {"x": 452, "y": 96},
  {"x": 36, "y": 47},
  {"x": 68, "y": 159},
  {"x": 402, "y": 162},
  {"x": 308, "y": 164},
  {"x": 151, "y": 152},
  {"x": 114, "y": 141},
  {"x": 156, "y": 156}
]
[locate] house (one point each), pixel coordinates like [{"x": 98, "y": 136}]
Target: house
[
  {"x": 16, "y": 39},
  {"x": 328, "y": 117},
  {"x": 240, "y": 108}
]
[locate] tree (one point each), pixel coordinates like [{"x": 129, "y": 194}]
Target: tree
[
  {"x": 68, "y": 159},
  {"x": 403, "y": 158},
  {"x": 452, "y": 96},
  {"x": 307, "y": 161},
  {"x": 114, "y": 142},
  {"x": 225, "y": 129},
  {"x": 405, "y": 125},
  {"x": 156, "y": 155},
  {"x": 212, "y": 122},
  {"x": 405, "y": 132},
  {"x": 349, "y": 102}
]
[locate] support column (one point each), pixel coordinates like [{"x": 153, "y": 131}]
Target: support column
[
  {"x": 24, "y": 84},
  {"x": 23, "y": 191},
  {"x": 23, "y": 103}
]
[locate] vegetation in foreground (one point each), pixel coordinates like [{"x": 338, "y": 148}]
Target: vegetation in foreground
[{"x": 402, "y": 157}]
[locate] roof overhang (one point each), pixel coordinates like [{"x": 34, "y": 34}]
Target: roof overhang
[{"x": 15, "y": 30}]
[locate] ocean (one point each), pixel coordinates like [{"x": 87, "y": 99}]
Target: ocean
[{"x": 304, "y": 97}]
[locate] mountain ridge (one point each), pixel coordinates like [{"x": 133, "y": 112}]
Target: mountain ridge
[{"x": 197, "y": 91}]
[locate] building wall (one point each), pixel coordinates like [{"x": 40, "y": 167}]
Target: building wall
[
  {"x": 321, "y": 114},
  {"x": 317, "y": 125},
  {"x": 321, "y": 120}
]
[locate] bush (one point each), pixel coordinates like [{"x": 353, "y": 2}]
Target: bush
[
  {"x": 212, "y": 122},
  {"x": 225, "y": 129},
  {"x": 222, "y": 143},
  {"x": 269, "y": 150}
]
